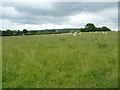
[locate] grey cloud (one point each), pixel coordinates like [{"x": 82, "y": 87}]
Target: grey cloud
[
  {"x": 66, "y": 8},
  {"x": 56, "y": 13},
  {"x": 60, "y": 8},
  {"x": 39, "y": 20}
]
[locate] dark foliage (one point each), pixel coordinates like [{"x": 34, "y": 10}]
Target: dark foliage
[{"x": 89, "y": 27}]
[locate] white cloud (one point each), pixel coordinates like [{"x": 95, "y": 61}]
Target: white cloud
[
  {"x": 103, "y": 18},
  {"x": 48, "y": 16}
]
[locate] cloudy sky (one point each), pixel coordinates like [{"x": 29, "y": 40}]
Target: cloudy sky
[{"x": 48, "y": 15}]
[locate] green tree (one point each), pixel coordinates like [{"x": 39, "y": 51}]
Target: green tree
[
  {"x": 98, "y": 29},
  {"x": 0, "y": 33},
  {"x": 25, "y": 31},
  {"x": 82, "y": 29},
  {"x": 18, "y": 32},
  {"x": 9, "y": 32},
  {"x": 105, "y": 29},
  {"x": 90, "y": 27}
]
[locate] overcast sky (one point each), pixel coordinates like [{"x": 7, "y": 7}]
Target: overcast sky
[{"x": 48, "y": 15}]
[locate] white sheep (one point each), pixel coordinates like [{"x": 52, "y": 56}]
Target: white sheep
[{"x": 74, "y": 34}]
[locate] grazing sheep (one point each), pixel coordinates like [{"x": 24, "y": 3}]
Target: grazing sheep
[
  {"x": 68, "y": 33},
  {"x": 104, "y": 32},
  {"x": 74, "y": 34}
]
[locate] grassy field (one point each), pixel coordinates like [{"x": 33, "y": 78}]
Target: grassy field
[
  {"x": 0, "y": 62},
  {"x": 88, "y": 60}
]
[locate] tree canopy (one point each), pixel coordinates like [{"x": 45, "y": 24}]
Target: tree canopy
[
  {"x": 25, "y": 31},
  {"x": 89, "y": 27}
]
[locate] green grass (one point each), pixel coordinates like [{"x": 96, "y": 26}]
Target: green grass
[
  {"x": 89, "y": 60},
  {"x": 0, "y": 62}
]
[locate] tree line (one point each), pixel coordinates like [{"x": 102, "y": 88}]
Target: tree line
[{"x": 89, "y": 27}]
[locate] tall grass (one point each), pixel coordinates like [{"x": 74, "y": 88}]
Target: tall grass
[
  {"x": 0, "y": 62},
  {"x": 88, "y": 60}
]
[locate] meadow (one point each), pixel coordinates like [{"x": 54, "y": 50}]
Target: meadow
[{"x": 87, "y": 60}]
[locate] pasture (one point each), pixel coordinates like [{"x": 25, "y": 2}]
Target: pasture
[{"x": 86, "y": 60}]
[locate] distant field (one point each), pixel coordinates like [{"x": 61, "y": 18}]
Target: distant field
[{"x": 88, "y": 60}]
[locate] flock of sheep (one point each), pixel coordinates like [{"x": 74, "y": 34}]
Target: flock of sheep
[{"x": 75, "y": 33}]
